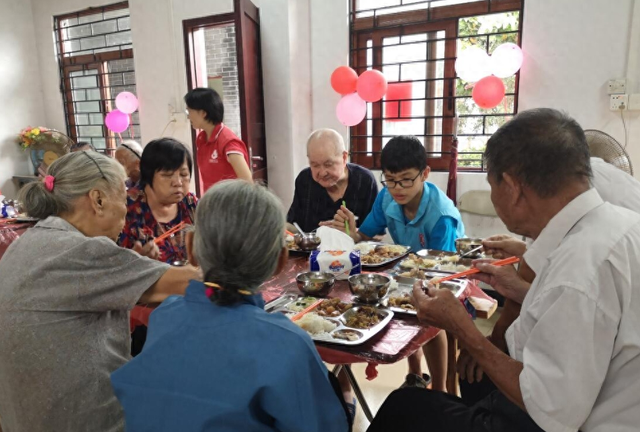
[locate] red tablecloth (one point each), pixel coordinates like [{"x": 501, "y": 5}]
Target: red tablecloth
[
  {"x": 9, "y": 232},
  {"x": 401, "y": 338}
]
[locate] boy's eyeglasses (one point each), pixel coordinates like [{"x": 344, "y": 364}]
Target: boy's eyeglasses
[{"x": 404, "y": 184}]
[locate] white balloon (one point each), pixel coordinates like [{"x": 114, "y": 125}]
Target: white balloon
[
  {"x": 506, "y": 60},
  {"x": 473, "y": 64}
]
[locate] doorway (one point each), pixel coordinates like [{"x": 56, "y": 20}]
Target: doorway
[{"x": 223, "y": 53}]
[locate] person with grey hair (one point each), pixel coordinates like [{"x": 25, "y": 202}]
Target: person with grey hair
[
  {"x": 67, "y": 290},
  {"x": 239, "y": 367},
  {"x": 329, "y": 181},
  {"x": 128, "y": 154},
  {"x": 573, "y": 354}
]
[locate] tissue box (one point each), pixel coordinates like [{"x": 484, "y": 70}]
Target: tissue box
[{"x": 341, "y": 264}]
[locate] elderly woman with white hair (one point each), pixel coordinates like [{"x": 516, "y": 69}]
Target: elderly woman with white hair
[
  {"x": 66, "y": 292},
  {"x": 215, "y": 360},
  {"x": 128, "y": 154}
]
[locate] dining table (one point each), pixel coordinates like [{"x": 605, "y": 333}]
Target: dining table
[{"x": 403, "y": 336}]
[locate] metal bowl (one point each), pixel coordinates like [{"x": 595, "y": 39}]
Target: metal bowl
[
  {"x": 317, "y": 284},
  {"x": 464, "y": 245},
  {"x": 307, "y": 242},
  {"x": 180, "y": 263},
  {"x": 369, "y": 287}
]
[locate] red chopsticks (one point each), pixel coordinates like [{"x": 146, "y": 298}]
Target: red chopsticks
[
  {"x": 158, "y": 240},
  {"x": 504, "y": 262}
]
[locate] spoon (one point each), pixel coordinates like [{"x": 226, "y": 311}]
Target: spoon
[
  {"x": 471, "y": 251},
  {"x": 302, "y": 233}
]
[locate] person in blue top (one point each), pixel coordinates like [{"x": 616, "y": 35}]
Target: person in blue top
[
  {"x": 417, "y": 214},
  {"x": 214, "y": 360}
]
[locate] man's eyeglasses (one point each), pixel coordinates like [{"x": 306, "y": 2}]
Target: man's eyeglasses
[{"x": 404, "y": 184}]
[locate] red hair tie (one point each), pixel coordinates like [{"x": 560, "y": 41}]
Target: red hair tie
[{"x": 49, "y": 182}]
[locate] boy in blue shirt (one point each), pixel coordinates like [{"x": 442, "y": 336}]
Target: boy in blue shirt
[{"x": 417, "y": 214}]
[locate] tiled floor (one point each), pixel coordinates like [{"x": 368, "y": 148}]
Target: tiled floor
[{"x": 390, "y": 377}]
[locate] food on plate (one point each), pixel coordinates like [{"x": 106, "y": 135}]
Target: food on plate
[
  {"x": 365, "y": 317},
  {"x": 370, "y": 254},
  {"x": 455, "y": 268},
  {"x": 415, "y": 273},
  {"x": 450, "y": 258},
  {"x": 314, "y": 324},
  {"x": 333, "y": 308},
  {"x": 402, "y": 301},
  {"x": 414, "y": 261},
  {"x": 301, "y": 303},
  {"x": 350, "y": 335}
]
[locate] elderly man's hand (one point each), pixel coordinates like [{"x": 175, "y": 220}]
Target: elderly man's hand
[
  {"x": 343, "y": 215},
  {"x": 504, "y": 246},
  {"x": 149, "y": 250},
  {"x": 438, "y": 308},
  {"x": 505, "y": 280},
  {"x": 468, "y": 368}
]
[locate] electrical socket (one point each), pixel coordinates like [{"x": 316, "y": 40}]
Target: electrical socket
[
  {"x": 618, "y": 102},
  {"x": 617, "y": 86}
]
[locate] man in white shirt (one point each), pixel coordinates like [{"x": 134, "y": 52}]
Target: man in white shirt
[{"x": 574, "y": 359}]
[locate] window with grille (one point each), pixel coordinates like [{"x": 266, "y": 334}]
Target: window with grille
[
  {"x": 95, "y": 56},
  {"x": 414, "y": 43}
]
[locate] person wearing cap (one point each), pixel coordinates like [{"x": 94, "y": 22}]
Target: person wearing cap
[{"x": 128, "y": 155}]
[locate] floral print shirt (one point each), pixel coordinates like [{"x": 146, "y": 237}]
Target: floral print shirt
[{"x": 140, "y": 225}]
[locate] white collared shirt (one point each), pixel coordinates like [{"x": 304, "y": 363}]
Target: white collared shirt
[
  {"x": 578, "y": 334},
  {"x": 615, "y": 186}
]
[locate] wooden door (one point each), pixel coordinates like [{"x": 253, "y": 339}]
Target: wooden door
[{"x": 250, "y": 77}]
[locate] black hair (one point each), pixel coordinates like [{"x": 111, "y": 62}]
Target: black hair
[
  {"x": 543, "y": 148},
  {"x": 207, "y": 100},
  {"x": 164, "y": 154},
  {"x": 403, "y": 152}
]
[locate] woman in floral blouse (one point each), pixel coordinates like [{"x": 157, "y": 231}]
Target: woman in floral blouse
[{"x": 162, "y": 199}]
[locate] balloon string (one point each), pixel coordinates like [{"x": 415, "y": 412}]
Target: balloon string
[
  {"x": 120, "y": 135},
  {"x": 130, "y": 126}
]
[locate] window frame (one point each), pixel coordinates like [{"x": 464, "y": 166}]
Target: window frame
[
  {"x": 429, "y": 19},
  {"x": 68, "y": 64}
]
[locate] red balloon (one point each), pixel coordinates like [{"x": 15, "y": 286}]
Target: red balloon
[
  {"x": 344, "y": 79},
  {"x": 488, "y": 92},
  {"x": 372, "y": 85}
]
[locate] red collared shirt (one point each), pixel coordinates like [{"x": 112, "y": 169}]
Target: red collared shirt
[{"x": 213, "y": 155}]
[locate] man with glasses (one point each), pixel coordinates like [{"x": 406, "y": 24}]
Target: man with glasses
[
  {"x": 417, "y": 214},
  {"x": 329, "y": 181}
]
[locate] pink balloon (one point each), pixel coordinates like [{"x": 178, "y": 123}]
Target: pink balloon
[
  {"x": 372, "y": 85},
  {"x": 351, "y": 109},
  {"x": 488, "y": 92},
  {"x": 117, "y": 121},
  {"x": 127, "y": 102},
  {"x": 506, "y": 60}
]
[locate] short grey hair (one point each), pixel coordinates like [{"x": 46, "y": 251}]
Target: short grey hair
[
  {"x": 239, "y": 236},
  {"x": 75, "y": 175},
  {"x": 327, "y": 136}
]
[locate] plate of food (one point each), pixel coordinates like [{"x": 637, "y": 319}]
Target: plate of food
[
  {"x": 432, "y": 260},
  {"x": 399, "y": 297},
  {"x": 375, "y": 254},
  {"x": 333, "y": 321}
]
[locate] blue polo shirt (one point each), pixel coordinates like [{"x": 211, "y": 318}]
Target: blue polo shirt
[
  {"x": 206, "y": 367},
  {"x": 437, "y": 223}
]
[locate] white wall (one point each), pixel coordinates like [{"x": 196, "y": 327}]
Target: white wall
[
  {"x": 572, "y": 48},
  {"x": 20, "y": 90}
]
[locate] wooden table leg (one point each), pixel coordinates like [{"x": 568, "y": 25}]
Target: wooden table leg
[{"x": 452, "y": 358}]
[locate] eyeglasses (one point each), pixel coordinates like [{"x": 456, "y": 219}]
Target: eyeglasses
[
  {"x": 95, "y": 162},
  {"x": 404, "y": 184}
]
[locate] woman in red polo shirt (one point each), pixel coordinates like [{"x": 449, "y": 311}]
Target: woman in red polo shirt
[{"x": 221, "y": 154}]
